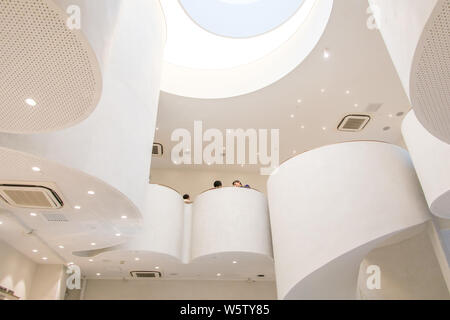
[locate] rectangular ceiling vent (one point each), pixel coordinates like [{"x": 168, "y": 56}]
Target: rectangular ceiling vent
[
  {"x": 55, "y": 217},
  {"x": 30, "y": 196},
  {"x": 146, "y": 274},
  {"x": 157, "y": 150},
  {"x": 373, "y": 107},
  {"x": 353, "y": 123}
]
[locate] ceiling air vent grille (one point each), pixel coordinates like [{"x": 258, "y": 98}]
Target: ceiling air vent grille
[
  {"x": 146, "y": 274},
  {"x": 353, "y": 123},
  {"x": 157, "y": 150},
  {"x": 30, "y": 196},
  {"x": 373, "y": 107},
  {"x": 55, "y": 217}
]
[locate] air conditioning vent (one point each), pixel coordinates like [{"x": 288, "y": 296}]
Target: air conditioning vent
[
  {"x": 157, "y": 150},
  {"x": 30, "y": 196},
  {"x": 55, "y": 217},
  {"x": 146, "y": 274},
  {"x": 373, "y": 107},
  {"x": 353, "y": 123}
]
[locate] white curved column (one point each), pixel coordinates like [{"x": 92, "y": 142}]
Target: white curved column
[
  {"x": 416, "y": 35},
  {"x": 431, "y": 158},
  {"x": 114, "y": 143},
  {"x": 230, "y": 220},
  {"x": 330, "y": 206},
  {"x": 163, "y": 223}
]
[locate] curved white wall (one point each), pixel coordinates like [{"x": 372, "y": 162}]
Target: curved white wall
[
  {"x": 163, "y": 223},
  {"x": 230, "y": 220},
  {"x": 416, "y": 35},
  {"x": 114, "y": 143},
  {"x": 431, "y": 158},
  {"x": 330, "y": 206}
]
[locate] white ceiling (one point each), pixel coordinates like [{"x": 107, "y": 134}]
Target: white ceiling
[{"x": 359, "y": 62}]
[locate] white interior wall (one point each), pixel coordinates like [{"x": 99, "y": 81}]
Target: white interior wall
[
  {"x": 49, "y": 282},
  {"x": 409, "y": 270},
  {"x": 28, "y": 279},
  {"x": 178, "y": 290},
  {"x": 194, "y": 182},
  {"x": 16, "y": 271}
]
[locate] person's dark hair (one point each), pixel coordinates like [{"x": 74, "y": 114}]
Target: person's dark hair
[
  {"x": 236, "y": 181},
  {"x": 186, "y": 197},
  {"x": 217, "y": 184}
]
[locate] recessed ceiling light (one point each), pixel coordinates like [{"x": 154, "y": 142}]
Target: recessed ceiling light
[
  {"x": 299, "y": 101},
  {"x": 356, "y": 105},
  {"x": 36, "y": 169},
  {"x": 98, "y": 274},
  {"x": 390, "y": 115},
  {"x": 91, "y": 260},
  {"x": 326, "y": 54},
  {"x": 30, "y": 102},
  {"x": 302, "y": 126},
  {"x": 93, "y": 243},
  {"x": 118, "y": 234},
  {"x": 322, "y": 90},
  {"x": 234, "y": 262},
  {"x": 77, "y": 207},
  {"x": 44, "y": 258},
  {"x": 324, "y": 128},
  {"x": 35, "y": 251},
  {"x": 137, "y": 259},
  {"x": 219, "y": 274},
  {"x": 292, "y": 116},
  {"x": 347, "y": 92},
  {"x": 294, "y": 151},
  {"x": 91, "y": 192},
  {"x": 157, "y": 129},
  {"x": 157, "y": 268},
  {"x": 33, "y": 214},
  {"x": 123, "y": 217},
  {"x": 61, "y": 247}
]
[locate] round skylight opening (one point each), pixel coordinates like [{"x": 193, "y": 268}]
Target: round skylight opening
[
  {"x": 223, "y": 34},
  {"x": 240, "y": 18}
]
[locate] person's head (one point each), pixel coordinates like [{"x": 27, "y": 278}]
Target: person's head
[
  {"x": 217, "y": 184},
  {"x": 237, "y": 183},
  {"x": 186, "y": 197}
]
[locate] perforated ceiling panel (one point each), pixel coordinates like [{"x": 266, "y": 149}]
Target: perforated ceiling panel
[
  {"x": 43, "y": 60},
  {"x": 430, "y": 79}
]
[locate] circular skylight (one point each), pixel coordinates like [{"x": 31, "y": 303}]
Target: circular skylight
[
  {"x": 212, "y": 53},
  {"x": 190, "y": 45},
  {"x": 240, "y": 18}
]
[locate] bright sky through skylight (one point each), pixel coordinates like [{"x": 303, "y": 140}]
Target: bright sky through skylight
[
  {"x": 240, "y": 18},
  {"x": 190, "y": 45}
]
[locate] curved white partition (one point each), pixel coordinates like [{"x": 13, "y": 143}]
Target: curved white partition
[
  {"x": 416, "y": 33},
  {"x": 230, "y": 220},
  {"x": 160, "y": 231},
  {"x": 431, "y": 158},
  {"x": 330, "y": 206},
  {"x": 163, "y": 223},
  {"x": 114, "y": 143},
  {"x": 228, "y": 231}
]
